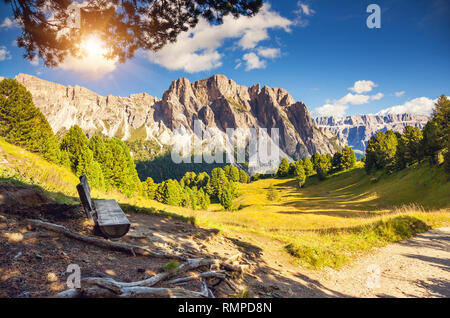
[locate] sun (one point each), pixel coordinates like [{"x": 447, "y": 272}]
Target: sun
[{"x": 93, "y": 46}]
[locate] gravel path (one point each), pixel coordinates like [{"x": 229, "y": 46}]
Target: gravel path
[{"x": 418, "y": 267}]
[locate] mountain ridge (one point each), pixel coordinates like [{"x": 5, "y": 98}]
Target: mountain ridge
[
  {"x": 356, "y": 130},
  {"x": 218, "y": 102}
]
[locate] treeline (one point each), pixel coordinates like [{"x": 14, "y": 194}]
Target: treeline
[
  {"x": 320, "y": 164},
  {"x": 198, "y": 190},
  {"x": 162, "y": 167},
  {"x": 395, "y": 151}
]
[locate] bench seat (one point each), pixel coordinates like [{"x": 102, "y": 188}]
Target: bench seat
[
  {"x": 111, "y": 220},
  {"x": 107, "y": 214}
]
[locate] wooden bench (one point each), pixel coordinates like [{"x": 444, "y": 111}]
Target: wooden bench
[{"x": 107, "y": 214}]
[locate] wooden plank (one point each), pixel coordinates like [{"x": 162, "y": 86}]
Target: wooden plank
[
  {"x": 109, "y": 213},
  {"x": 84, "y": 191}
]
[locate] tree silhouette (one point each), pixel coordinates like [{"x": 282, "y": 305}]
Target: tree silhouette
[{"x": 54, "y": 29}]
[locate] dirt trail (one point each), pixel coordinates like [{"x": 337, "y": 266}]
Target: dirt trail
[{"x": 418, "y": 267}]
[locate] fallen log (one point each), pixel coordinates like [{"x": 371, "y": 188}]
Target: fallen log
[{"x": 122, "y": 247}]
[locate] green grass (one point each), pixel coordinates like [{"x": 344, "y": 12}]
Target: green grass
[{"x": 171, "y": 266}]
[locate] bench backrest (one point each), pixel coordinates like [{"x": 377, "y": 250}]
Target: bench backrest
[{"x": 84, "y": 191}]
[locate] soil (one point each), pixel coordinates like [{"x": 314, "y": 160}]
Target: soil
[{"x": 33, "y": 262}]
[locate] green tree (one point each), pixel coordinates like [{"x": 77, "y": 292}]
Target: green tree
[
  {"x": 323, "y": 166},
  {"x": 309, "y": 167},
  {"x": 204, "y": 200},
  {"x": 243, "y": 178},
  {"x": 234, "y": 174},
  {"x": 74, "y": 143},
  {"x": 410, "y": 147},
  {"x": 23, "y": 124},
  {"x": 172, "y": 193},
  {"x": 348, "y": 158},
  {"x": 226, "y": 199},
  {"x": 300, "y": 175},
  {"x": 337, "y": 160},
  {"x": 272, "y": 193},
  {"x": 283, "y": 170},
  {"x": 149, "y": 188},
  {"x": 437, "y": 131}
]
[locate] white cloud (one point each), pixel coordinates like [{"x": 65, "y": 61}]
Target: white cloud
[
  {"x": 253, "y": 61},
  {"x": 198, "y": 49},
  {"x": 269, "y": 52},
  {"x": 7, "y": 23},
  {"x": 399, "y": 94},
  {"x": 4, "y": 53},
  {"x": 34, "y": 61},
  {"x": 377, "y": 96},
  {"x": 421, "y": 106},
  {"x": 338, "y": 107},
  {"x": 305, "y": 9},
  {"x": 355, "y": 99},
  {"x": 330, "y": 110},
  {"x": 362, "y": 86}
]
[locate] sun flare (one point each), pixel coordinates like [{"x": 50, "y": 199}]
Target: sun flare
[{"x": 93, "y": 46}]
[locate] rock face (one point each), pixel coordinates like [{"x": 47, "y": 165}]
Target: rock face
[
  {"x": 356, "y": 131},
  {"x": 217, "y": 102}
]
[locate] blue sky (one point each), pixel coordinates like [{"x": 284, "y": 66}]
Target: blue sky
[{"x": 321, "y": 51}]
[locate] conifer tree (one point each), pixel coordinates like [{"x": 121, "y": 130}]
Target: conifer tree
[
  {"x": 309, "y": 168},
  {"x": 23, "y": 124},
  {"x": 243, "y": 178},
  {"x": 283, "y": 170}
]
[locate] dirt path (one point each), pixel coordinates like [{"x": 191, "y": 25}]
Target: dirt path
[{"x": 418, "y": 267}]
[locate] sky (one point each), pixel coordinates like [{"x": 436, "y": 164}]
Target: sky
[{"x": 321, "y": 51}]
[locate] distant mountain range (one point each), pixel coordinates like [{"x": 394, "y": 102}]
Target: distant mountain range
[
  {"x": 356, "y": 131},
  {"x": 217, "y": 102}
]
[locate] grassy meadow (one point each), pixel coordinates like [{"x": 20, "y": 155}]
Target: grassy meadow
[{"x": 324, "y": 224}]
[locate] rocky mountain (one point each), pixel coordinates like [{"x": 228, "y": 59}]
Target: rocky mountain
[
  {"x": 217, "y": 102},
  {"x": 356, "y": 131}
]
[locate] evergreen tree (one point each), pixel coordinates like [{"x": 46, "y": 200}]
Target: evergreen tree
[
  {"x": 172, "y": 192},
  {"x": 323, "y": 166},
  {"x": 74, "y": 143},
  {"x": 292, "y": 167},
  {"x": 243, "y": 178},
  {"x": 272, "y": 193},
  {"x": 219, "y": 181},
  {"x": 226, "y": 199},
  {"x": 315, "y": 161},
  {"x": 234, "y": 174},
  {"x": 203, "y": 199},
  {"x": 283, "y": 170},
  {"x": 23, "y": 124},
  {"x": 149, "y": 188},
  {"x": 300, "y": 175},
  {"x": 309, "y": 167},
  {"x": 337, "y": 161},
  {"x": 348, "y": 158},
  {"x": 91, "y": 168}
]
